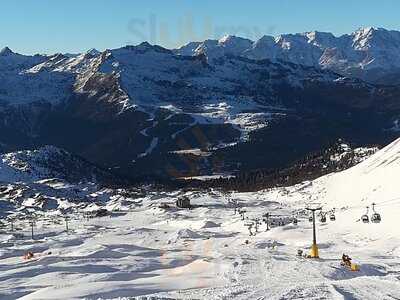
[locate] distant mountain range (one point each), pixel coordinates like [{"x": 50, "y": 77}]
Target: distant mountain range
[
  {"x": 216, "y": 107},
  {"x": 371, "y": 54}
]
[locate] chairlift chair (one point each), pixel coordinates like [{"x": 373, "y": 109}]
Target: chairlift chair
[
  {"x": 375, "y": 218},
  {"x": 310, "y": 219},
  {"x": 365, "y": 218},
  {"x": 332, "y": 215},
  {"x": 323, "y": 218}
]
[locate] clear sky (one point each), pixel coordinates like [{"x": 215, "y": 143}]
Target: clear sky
[{"x": 49, "y": 26}]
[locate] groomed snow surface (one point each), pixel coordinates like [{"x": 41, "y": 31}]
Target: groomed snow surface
[{"x": 202, "y": 253}]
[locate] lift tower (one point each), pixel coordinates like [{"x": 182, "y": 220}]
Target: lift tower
[{"x": 314, "y": 248}]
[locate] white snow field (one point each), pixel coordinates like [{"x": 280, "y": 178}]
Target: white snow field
[{"x": 202, "y": 253}]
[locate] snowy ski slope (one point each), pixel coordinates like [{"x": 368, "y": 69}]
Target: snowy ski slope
[{"x": 202, "y": 253}]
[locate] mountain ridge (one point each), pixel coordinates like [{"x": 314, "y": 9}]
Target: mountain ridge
[
  {"x": 143, "y": 109},
  {"x": 50, "y": 162},
  {"x": 368, "y": 53},
  {"x": 365, "y": 53}
]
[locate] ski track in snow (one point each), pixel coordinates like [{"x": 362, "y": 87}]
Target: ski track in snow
[{"x": 149, "y": 150}]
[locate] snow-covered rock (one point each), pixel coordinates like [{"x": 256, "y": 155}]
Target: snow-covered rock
[{"x": 45, "y": 163}]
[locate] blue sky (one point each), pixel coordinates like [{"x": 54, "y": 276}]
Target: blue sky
[{"x": 49, "y": 26}]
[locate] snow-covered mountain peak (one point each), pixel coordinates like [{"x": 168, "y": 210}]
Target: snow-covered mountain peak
[
  {"x": 15, "y": 61},
  {"x": 188, "y": 50},
  {"x": 363, "y": 36},
  {"x": 367, "y": 31},
  {"x": 6, "y": 51},
  {"x": 58, "y": 57},
  {"x": 377, "y": 48},
  {"x": 320, "y": 39},
  {"x": 306, "y": 40},
  {"x": 213, "y": 49},
  {"x": 266, "y": 39},
  {"x": 92, "y": 52},
  {"x": 145, "y": 47},
  {"x": 226, "y": 38},
  {"x": 234, "y": 41},
  {"x": 378, "y": 38}
]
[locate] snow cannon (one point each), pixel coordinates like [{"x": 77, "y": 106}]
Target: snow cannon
[
  {"x": 354, "y": 267},
  {"x": 347, "y": 262}
]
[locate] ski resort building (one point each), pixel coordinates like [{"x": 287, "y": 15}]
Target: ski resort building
[{"x": 183, "y": 203}]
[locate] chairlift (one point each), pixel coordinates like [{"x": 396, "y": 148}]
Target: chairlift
[
  {"x": 323, "y": 218},
  {"x": 365, "y": 218},
  {"x": 332, "y": 217},
  {"x": 375, "y": 218}
]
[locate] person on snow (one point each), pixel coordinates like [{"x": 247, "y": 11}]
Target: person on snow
[{"x": 29, "y": 255}]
